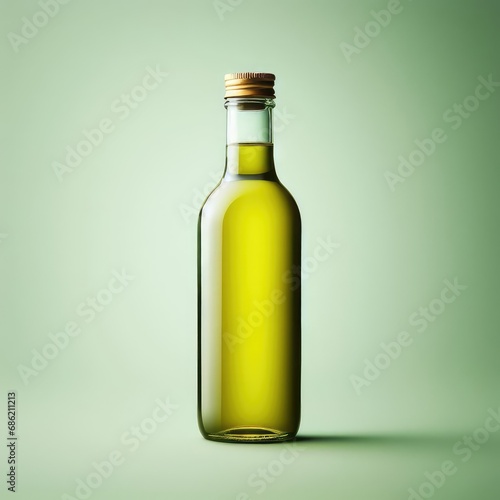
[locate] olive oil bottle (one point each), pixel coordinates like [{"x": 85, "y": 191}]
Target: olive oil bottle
[{"x": 249, "y": 246}]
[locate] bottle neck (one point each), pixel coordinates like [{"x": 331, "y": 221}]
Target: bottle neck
[{"x": 249, "y": 144}]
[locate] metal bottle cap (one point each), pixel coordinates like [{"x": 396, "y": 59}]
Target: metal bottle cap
[{"x": 249, "y": 85}]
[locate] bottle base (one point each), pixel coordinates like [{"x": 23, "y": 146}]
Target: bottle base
[{"x": 250, "y": 435}]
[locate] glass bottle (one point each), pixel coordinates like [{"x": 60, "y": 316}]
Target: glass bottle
[{"x": 249, "y": 305}]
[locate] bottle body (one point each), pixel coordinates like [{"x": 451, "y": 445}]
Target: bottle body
[
  {"x": 249, "y": 312},
  {"x": 249, "y": 302}
]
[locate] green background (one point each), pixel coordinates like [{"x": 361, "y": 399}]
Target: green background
[{"x": 130, "y": 204}]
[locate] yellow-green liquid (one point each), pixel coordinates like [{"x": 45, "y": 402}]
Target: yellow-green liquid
[{"x": 249, "y": 304}]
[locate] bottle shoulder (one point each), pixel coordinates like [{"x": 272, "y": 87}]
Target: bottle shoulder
[{"x": 249, "y": 195}]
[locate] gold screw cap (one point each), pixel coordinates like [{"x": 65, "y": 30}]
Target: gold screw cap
[{"x": 249, "y": 85}]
